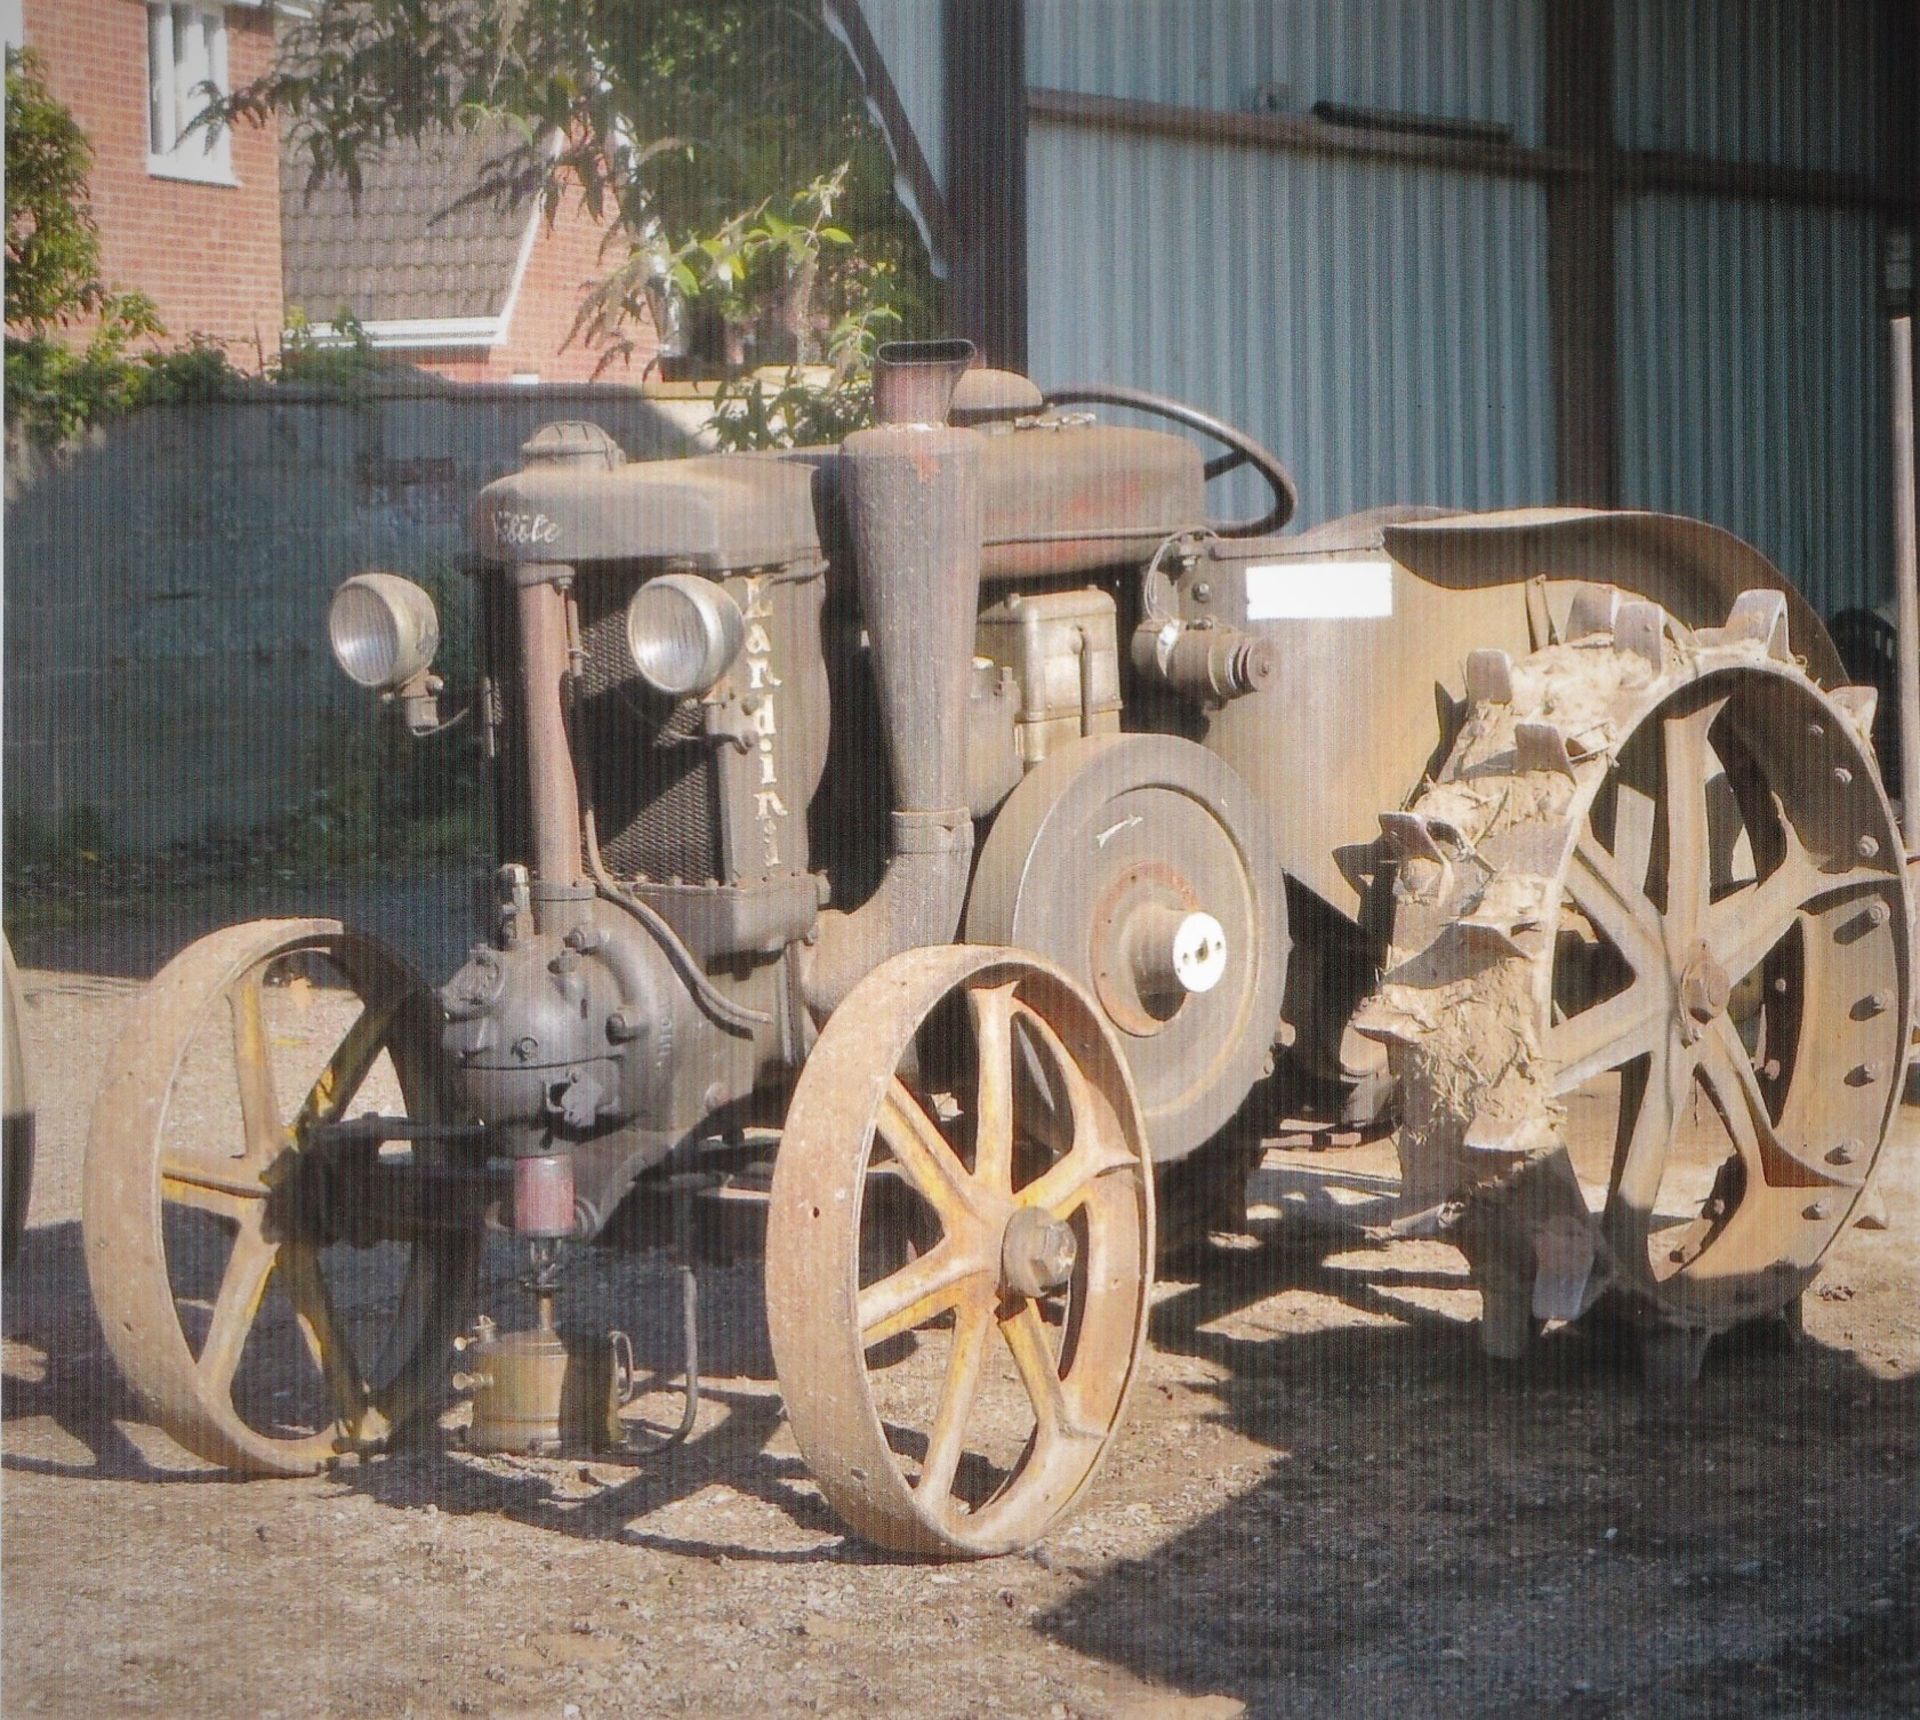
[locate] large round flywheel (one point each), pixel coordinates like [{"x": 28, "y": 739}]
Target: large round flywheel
[
  {"x": 271, "y": 1305},
  {"x": 959, "y": 1251},
  {"x": 1142, "y": 865},
  {"x": 1650, "y": 978}
]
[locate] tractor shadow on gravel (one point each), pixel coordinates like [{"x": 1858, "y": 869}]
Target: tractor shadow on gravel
[
  {"x": 67, "y": 1377},
  {"x": 1441, "y": 1533},
  {"x": 49, "y": 1310}
]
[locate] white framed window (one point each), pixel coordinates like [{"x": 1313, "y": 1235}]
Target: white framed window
[{"x": 186, "y": 53}]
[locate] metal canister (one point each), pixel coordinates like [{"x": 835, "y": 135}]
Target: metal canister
[{"x": 541, "y": 1392}]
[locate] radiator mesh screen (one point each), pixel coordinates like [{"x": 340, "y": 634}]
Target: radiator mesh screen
[{"x": 646, "y": 764}]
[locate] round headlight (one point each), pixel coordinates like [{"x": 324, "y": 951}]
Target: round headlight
[
  {"x": 384, "y": 630},
  {"x": 684, "y": 633}
]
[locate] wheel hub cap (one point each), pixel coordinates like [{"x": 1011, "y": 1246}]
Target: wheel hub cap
[
  {"x": 1037, "y": 1253},
  {"x": 1703, "y": 988}
]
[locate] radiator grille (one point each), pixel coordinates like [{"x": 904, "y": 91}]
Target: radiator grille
[{"x": 650, "y": 772}]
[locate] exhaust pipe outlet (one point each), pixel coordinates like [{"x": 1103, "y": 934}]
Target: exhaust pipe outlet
[
  {"x": 913, "y": 502},
  {"x": 914, "y": 380}
]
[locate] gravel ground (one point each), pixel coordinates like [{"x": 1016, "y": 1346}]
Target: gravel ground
[{"x": 1324, "y": 1501}]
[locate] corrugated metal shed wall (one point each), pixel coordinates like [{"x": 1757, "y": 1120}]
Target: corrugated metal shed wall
[
  {"x": 1753, "y": 383},
  {"x": 1382, "y": 328},
  {"x": 1385, "y": 328},
  {"x": 1753, "y": 372},
  {"x": 1460, "y": 59},
  {"x": 908, "y": 34},
  {"x": 1782, "y": 81}
]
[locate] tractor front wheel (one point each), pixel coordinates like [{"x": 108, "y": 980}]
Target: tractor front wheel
[{"x": 959, "y": 1251}]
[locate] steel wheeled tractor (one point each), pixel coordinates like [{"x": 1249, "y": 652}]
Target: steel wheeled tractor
[{"x": 969, "y": 807}]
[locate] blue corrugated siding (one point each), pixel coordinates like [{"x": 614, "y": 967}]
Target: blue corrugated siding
[
  {"x": 1753, "y": 383},
  {"x": 1790, "y": 82},
  {"x": 1382, "y": 328},
  {"x": 1385, "y": 328},
  {"x": 1454, "y": 59}
]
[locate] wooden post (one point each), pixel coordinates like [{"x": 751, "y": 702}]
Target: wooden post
[
  {"x": 1580, "y": 253},
  {"x": 987, "y": 175}
]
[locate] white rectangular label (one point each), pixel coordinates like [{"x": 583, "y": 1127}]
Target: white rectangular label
[{"x": 1319, "y": 590}]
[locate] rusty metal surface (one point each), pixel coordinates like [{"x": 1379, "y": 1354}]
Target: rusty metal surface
[
  {"x": 1243, "y": 450},
  {"x": 981, "y": 1088},
  {"x": 554, "y": 788},
  {"x": 1693, "y": 568},
  {"x": 1659, "y": 875},
  {"x": 198, "y": 1056},
  {"x": 1086, "y": 848},
  {"x": 913, "y": 501},
  {"x": 914, "y": 380},
  {"x": 1500, "y": 581}
]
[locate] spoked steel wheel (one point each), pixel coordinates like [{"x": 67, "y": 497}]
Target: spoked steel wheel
[
  {"x": 959, "y": 1251},
  {"x": 267, "y": 1303},
  {"x": 1733, "y": 971},
  {"x": 1653, "y": 917}
]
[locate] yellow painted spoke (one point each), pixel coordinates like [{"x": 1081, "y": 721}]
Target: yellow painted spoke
[
  {"x": 992, "y": 1011},
  {"x": 1026, "y": 1338},
  {"x": 228, "y": 1187},
  {"x": 925, "y": 1157},
  {"x": 918, "y": 1291},
  {"x": 253, "y": 1071},
  {"x": 347, "y": 1069},
  {"x": 236, "y": 1306},
  {"x": 1090, "y": 1114},
  {"x": 946, "y": 1441},
  {"x": 306, "y": 1288},
  {"x": 1063, "y": 1188}
]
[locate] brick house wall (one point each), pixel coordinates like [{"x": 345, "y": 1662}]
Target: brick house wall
[
  {"x": 564, "y": 260},
  {"x": 210, "y": 255},
  {"x": 207, "y": 255}
]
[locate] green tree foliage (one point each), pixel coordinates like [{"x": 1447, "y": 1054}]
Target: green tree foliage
[
  {"x": 53, "y": 273},
  {"x": 53, "y": 247},
  {"x": 725, "y": 141}
]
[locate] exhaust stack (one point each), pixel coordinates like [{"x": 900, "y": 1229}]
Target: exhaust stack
[{"x": 911, "y": 488}]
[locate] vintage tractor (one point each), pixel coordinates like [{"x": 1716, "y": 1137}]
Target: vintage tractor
[{"x": 965, "y": 804}]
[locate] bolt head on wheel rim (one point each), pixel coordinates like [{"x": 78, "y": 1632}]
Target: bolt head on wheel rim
[{"x": 955, "y": 1392}]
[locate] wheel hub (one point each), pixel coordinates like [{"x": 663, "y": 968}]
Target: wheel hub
[
  {"x": 1174, "y": 953},
  {"x": 1037, "y": 1253},
  {"x": 1704, "y": 989}
]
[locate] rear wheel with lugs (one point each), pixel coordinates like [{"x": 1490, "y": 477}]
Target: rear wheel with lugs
[
  {"x": 959, "y": 1251},
  {"x": 1650, "y": 949},
  {"x": 267, "y": 1304}
]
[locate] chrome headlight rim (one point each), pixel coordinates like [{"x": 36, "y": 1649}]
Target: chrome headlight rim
[
  {"x": 383, "y": 630},
  {"x": 684, "y": 633}
]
